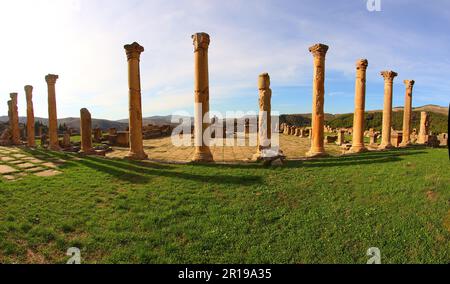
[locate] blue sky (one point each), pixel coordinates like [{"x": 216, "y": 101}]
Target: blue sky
[{"x": 82, "y": 41}]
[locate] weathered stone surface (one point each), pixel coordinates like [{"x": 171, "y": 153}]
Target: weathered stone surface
[
  {"x": 358, "y": 145},
  {"x": 201, "y": 88},
  {"x": 4, "y": 169},
  {"x": 86, "y": 132},
  {"x": 387, "y": 112},
  {"x": 133, "y": 52},
  {"x": 52, "y": 112},
  {"x": 14, "y": 120},
  {"x": 424, "y": 129},
  {"x": 31, "y": 141},
  {"x": 319, "y": 52},
  {"x": 407, "y": 114}
]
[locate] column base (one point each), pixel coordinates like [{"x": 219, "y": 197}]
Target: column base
[
  {"x": 203, "y": 157},
  {"x": 311, "y": 154},
  {"x": 87, "y": 153},
  {"x": 54, "y": 148},
  {"x": 386, "y": 147},
  {"x": 136, "y": 156},
  {"x": 405, "y": 145},
  {"x": 357, "y": 150}
]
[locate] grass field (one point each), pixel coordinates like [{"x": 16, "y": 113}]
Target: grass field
[{"x": 317, "y": 211}]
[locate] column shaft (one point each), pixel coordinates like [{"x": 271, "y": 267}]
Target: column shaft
[
  {"x": 52, "y": 113},
  {"x": 31, "y": 141},
  {"x": 387, "y": 112},
  {"x": 358, "y": 144},
  {"x": 318, "y": 116},
  {"x": 133, "y": 52},
  {"x": 86, "y": 132},
  {"x": 201, "y": 89},
  {"x": 14, "y": 122},
  {"x": 407, "y": 114}
]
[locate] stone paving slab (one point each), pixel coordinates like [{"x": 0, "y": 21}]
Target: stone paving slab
[{"x": 4, "y": 170}]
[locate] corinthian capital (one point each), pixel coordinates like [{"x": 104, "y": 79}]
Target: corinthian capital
[
  {"x": 51, "y": 78},
  {"x": 409, "y": 83},
  {"x": 362, "y": 64},
  {"x": 319, "y": 50},
  {"x": 388, "y": 75},
  {"x": 133, "y": 50},
  {"x": 201, "y": 41}
]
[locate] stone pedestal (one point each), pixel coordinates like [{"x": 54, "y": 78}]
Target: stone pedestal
[
  {"x": 52, "y": 113},
  {"x": 86, "y": 132},
  {"x": 407, "y": 114},
  {"x": 14, "y": 120},
  {"x": 424, "y": 129},
  {"x": 201, "y": 89},
  {"x": 31, "y": 135},
  {"x": 341, "y": 138},
  {"x": 358, "y": 144},
  {"x": 133, "y": 52},
  {"x": 387, "y": 112},
  {"x": 319, "y": 52}
]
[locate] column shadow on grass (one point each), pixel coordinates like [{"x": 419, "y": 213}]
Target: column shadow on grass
[{"x": 139, "y": 172}]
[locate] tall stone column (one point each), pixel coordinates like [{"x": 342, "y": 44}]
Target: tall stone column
[
  {"x": 86, "y": 132},
  {"x": 358, "y": 145},
  {"x": 30, "y": 117},
  {"x": 201, "y": 89},
  {"x": 14, "y": 122},
  {"x": 52, "y": 112},
  {"x": 133, "y": 52},
  {"x": 407, "y": 114},
  {"x": 265, "y": 118},
  {"x": 387, "y": 112},
  {"x": 424, "y": 128},
  {"x": 319, "y": 52}
]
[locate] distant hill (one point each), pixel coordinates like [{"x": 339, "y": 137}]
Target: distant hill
[{"x": 438, "y": 115}]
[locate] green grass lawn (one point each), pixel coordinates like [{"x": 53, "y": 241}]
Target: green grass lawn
[{"x": 318, "y": 211}]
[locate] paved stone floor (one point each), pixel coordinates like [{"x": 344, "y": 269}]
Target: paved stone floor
[
  {"x": 16, "y": 163},
  {"x": 163, "y": 150}
]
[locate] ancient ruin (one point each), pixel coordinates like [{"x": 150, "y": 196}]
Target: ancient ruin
[
  {"x": 86, "y": 132},
  {"x": 387, "y": 112},
  {"x": 360, "y": 106},
  {"x": 31, "y": 141},
  {"x": 319, "y": 52},
  {"x": 265, "y": 118},
  {"x": 407, "y": 116},
  {"x": 424, "y": 128},
  {"x": 201, "y": 89},
  {"x": 52, "y": 112},
  {"x": 133, "y": 52},
  {"x": 14, "y": 120}
]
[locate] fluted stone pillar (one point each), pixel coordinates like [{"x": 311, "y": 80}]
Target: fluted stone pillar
[
  {"x": 31, "y": 141},
  {"x": 201, "y": 89},
  {"x": 133, "y": 52},
  {"x": 407, "y": 114},
  {"x": 387, "y": 112},
  {"x": 265, "y": 118},
  {"x": 424, "y": 128},
  {"x": 14, "y": 122},
  {"x": 319, "y": 52},
  {"x": 52, "y": 112},
  {"x": 358, "y": 144},
  {"x": 86, "y": 132}
]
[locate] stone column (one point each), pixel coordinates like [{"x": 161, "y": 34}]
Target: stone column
[
  {"x": 387, "y": 112},
  {"x": 265, "y": 118},
  {"x": 52, "y": 113},
  {"x": 30, "y": 117},
  {"x": 424, "y": 128},
  {"x": 133, "y": 52},
  {"x": 201, "y": 88},
  {"x": 319, "y": 52},
  {"x": 14, "y": 122},
  {"x": 86, "y": 132},
  {"x": 407, "y": 114},
  {"x": 360, "y": 106}
]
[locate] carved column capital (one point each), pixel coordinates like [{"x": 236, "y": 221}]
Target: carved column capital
[
  {"x": 362, "y": 64},
  {"x": 51, "y": 79},
  {"x": 201, "y": 41},
  {"x": 264, "y": 81},
  {"x": 388, "y": 75},
  {"x": 409, "y": 83},
  {"x": 319, "y": 50},
  {"x": 134, "y": 50}
]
